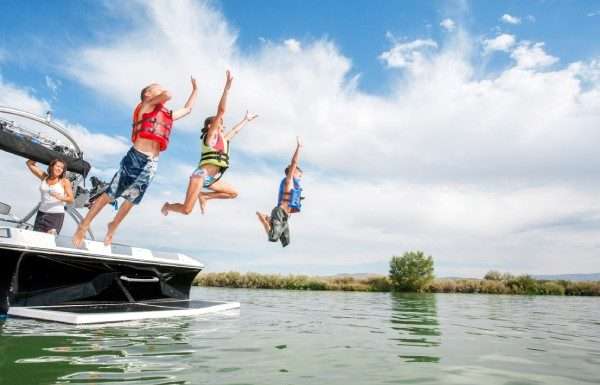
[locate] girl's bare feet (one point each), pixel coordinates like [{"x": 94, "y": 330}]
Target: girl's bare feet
[{"x": 202, "y": 201}]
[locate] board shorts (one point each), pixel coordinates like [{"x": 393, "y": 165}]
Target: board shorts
[
  {"x": 201, "y": 173},
  {"x": 45, "y": 222},
  {"x": 134, "y": 176},
  {"x": 280, "y": 229}
]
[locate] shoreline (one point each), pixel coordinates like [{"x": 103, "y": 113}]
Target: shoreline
[{"x": 514, "y": 285}]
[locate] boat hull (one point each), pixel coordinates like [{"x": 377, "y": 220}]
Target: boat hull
[{"x": 38, "y": 269}]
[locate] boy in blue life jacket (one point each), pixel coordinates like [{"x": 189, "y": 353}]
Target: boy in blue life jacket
[{"x": 289, "y": 202}]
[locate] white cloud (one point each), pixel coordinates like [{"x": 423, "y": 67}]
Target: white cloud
[
  {"x": 293, "y": 45},
  {"x": 509, "y": 19},
  {"x": 532, "y": 55},
  {"x": 592, "y": 14},
  {"x": 100, "y": 149},
  {"x": 448, "y": 24},
  {"x": 589, "y": 72},
  {"x": 503, "y": 42},
  {"x": 13, "y": 96},
  {"x": 53, "y": 84},
  {"x": 410, "y": 54},
  {"x": 482, "y": 172}
]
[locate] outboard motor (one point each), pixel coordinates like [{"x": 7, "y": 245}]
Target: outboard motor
[{"x": 98, "y": 187}]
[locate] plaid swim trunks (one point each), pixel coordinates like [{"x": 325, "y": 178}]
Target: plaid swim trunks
[
  {"x": 280, "y": 228},
  {"x": 134, "y": 176}
]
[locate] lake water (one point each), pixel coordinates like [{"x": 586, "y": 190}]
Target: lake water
[{"x": 290, "y": 337}]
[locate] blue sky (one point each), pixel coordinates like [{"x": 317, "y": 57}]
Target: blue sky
[
  {"x": 41, "y": 30},
  {"x": 464, "y": 104}
]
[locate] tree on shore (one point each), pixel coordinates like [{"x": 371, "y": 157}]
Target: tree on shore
[
  {"x": 411, "y": 272},
  {"x": 494, "y": 275}
]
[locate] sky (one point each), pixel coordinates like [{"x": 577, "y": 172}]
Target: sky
[{"x": 467, "y": 130}]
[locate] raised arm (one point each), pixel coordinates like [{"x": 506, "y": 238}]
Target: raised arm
[
  {"x": 233, "y": 132},
  {"x": 35, "y": 170},
  {"x": 187, "y": 108},
  {"x": 293, "y": 165},
  {"x": 222, "y": 106}
]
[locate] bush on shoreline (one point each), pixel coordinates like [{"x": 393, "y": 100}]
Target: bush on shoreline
[
  {"x": 506, "y": 284},
  {"x": 412, "y": 272}
]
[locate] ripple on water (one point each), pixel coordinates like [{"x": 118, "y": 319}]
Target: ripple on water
[{"x": 282, "y": 337}]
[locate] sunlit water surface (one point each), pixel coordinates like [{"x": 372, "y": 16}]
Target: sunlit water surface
[{"x": 290, "y": 337}]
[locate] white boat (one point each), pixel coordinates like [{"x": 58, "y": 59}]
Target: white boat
[{"x": 44, "y": 276}]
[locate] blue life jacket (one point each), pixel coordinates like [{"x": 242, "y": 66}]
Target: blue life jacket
[{"x": 293, "y": 197}]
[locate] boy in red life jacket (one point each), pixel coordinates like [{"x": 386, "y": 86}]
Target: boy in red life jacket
[
  {"x": 289, "y": 202},
  {"x": 151, "y": 129}
]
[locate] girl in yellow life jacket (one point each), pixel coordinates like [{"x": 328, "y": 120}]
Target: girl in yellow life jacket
[{"x": 213, "y": 163}]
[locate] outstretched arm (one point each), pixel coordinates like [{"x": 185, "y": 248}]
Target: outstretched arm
[
  {"x": 180, "y": 113},
  {"x": 233, "y": 132},
  {"x": 222, "y": 106},
  {"x": 293, "y": 164},
  {"x": 35, "y": 170}
]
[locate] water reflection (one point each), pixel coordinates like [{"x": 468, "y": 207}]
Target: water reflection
[
  {"x": 149, "y": 352},
  {"x": 414, "y": 318},
  {"x": 307, "y": 338}
]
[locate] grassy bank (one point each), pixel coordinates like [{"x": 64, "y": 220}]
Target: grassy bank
[
  {"x": 291, "y": 282},
  {"x": 508, "y": 285}
]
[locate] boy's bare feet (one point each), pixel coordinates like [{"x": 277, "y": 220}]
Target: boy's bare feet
[
  {"x": 264, "y": 220},
  {"x": 79, "y": 236},
  {"x": 164, "y": 210},
  {"x": 109, "y": 234}
]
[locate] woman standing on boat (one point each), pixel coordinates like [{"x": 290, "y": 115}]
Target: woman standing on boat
[{"x": 56, "y": 192}]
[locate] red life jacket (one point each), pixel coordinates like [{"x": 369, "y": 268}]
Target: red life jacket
[{"x": 155, "y": 125}]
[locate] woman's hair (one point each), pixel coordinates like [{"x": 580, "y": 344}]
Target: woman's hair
[
  {"x": 52, "y": 163},
  {"x": 207, "y": 122}
]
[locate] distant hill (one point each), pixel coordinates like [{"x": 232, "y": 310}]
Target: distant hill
[
  {"x": 570, "y": 277},
  {"x": 354, "y": 275},
  {"x": 566, "y": 277}
]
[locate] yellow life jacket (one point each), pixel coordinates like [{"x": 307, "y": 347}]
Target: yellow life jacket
[{"x": 216, "y": 156}]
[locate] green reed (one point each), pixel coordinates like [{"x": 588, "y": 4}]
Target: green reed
[{"x": 507, "y": 284}]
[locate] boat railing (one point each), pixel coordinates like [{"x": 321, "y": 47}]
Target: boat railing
[{"x": 47, "y": 120}]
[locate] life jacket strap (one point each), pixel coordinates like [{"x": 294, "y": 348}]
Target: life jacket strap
[
  {"x": 221, "y": 172},
  {"x": 215, "y": 155}
]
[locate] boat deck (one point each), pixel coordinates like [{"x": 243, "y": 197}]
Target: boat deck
[{"x": 27, "y": 240}]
